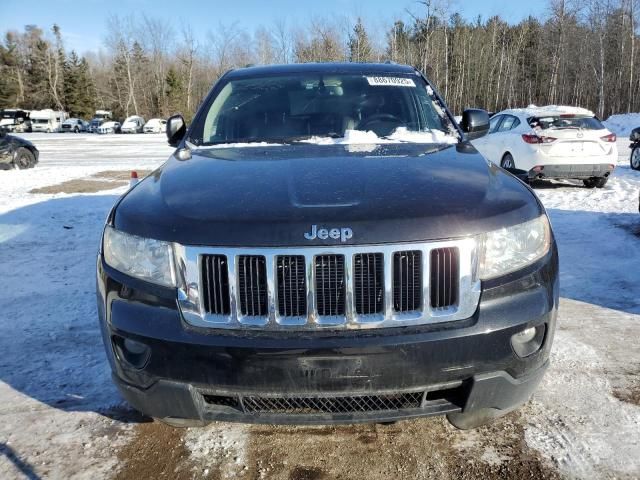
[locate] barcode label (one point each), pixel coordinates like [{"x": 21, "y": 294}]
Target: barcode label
[{"x": 390, "y": 82}]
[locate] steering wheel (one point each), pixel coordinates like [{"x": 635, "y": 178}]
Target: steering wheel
[{"x": 380, "y": 119}]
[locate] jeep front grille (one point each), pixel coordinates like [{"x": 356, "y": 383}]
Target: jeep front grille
[
  {"x": 341, "y": 287},
  {"x": 349, "y": 404},
  {"x": 437, "y": 399}
]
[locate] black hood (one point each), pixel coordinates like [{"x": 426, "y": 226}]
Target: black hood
[
  {"x": 271, "y": 196},
  {"x": 19, "y": 141}
]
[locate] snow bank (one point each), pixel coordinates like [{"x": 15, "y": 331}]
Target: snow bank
[{"x": 622, "y": 124}]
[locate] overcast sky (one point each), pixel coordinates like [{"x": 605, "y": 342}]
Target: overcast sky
[{"x": 83, "y": 22}]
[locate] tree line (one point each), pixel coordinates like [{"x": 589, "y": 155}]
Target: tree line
[{"x": 581, "y": 53}]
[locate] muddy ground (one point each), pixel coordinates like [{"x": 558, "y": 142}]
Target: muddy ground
[
  {"x": 98, "y": 182},
  {"x": 415, "y": 449}
]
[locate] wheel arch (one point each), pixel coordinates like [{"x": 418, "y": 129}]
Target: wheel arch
[{"x": 507, "y": 152}]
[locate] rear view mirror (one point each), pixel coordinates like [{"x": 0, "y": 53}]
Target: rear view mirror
[
  {"x": 475, "y": 123},
  {"x": 176, "y": 130}
]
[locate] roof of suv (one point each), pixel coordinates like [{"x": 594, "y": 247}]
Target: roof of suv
[
  {"x": 547, "y": 111},
  {"x": 344, "y": 67}
]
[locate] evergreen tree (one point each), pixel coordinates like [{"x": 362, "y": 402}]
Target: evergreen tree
[
  {"x": 87, "y": 100},
  {"x": 175, "y": 91},
  {"x": 37, "y": 94},
  {"x": 9, "y": 87},
  {"x": 78, "y": 87},
  {"x": 359, "y": 46}
]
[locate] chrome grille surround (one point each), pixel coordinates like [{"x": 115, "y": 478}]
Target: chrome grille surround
[{"x": 191, "y": 303}]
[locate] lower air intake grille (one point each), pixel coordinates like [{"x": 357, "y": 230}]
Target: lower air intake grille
[
  {"x": 444, "y": 277},
  {"x": 215, "y": 284},
  {"x": 292, "y": 286},
  {"x": 368, "y": 285},
  {"x": 309, "y": 405},
  {"x": 407, "y": 281},
  {"x": 330, "y": 287},
  {"x": 252, "y": 285}
]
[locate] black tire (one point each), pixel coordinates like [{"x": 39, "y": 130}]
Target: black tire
[
  {"x": 634, "y": 159},
  {"x": 23, "y": 159},
  {"x": 76, "y": 130},
  {"x": 507, "y": 161},
  {"x": 601, "y": 182},
  {"x": 590, "y": 182}
]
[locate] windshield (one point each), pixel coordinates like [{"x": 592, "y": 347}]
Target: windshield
[
  {"x": 281, "y": 109},
  {"x": 566, "y": 121}
]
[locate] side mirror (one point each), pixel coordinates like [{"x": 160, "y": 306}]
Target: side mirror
[
  {"x": 475, "y": 123},
  {"x": 519, "y": 174},
  {"x": 176, "y": 130}
]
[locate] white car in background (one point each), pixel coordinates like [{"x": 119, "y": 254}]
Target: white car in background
[
  {"x": 552, "y": 142},
  {"x": 109, "y": 127},
  {"x": 155, "y": 125},
  {"x": 133, "y": 124}
]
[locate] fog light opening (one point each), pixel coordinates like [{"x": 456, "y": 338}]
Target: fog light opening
[
  {"x": 528, "y": 341},
  {"x": 131, "y": 352}
]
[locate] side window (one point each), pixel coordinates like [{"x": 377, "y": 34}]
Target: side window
[
  {"x": 516, "y": 122},
  {"x": 494, "y": 123},
  {"x": 507, "y": 123}
]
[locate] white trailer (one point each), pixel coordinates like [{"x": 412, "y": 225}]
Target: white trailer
[{"x": 47, "y": 120}]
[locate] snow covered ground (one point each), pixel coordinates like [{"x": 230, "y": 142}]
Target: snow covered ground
[{"x": 60, "y": 416}]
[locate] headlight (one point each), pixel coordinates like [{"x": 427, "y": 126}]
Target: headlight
[
  {"x": 509, "y": 249},
  {"x": 143, "y": 258}
]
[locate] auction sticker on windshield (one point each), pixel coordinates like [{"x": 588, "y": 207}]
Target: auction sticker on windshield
[{"x": 390, "y": 82}]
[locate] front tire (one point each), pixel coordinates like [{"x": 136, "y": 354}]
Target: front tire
[
  {"x": 507, "y": 161},
  {"x": 601, "y": 182},
  {"x": 24, "y": 159},
  {"x": 597, "y": 182},
  {"x": 634, "y": 160}
]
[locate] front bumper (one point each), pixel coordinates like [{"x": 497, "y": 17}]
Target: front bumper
[
  {"x": 328, "y": 377},
  {"x": 571, "y": 171}
]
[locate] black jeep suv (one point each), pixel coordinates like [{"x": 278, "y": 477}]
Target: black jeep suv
[{"x": 326, "y": 246}]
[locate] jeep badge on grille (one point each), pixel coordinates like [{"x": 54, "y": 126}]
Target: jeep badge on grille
[{"x": 343, "y": 233}]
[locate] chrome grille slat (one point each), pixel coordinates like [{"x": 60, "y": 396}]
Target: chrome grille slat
[
  {"x": 407, "y": 286},
  {"x": 252, "y": 286},
  {"x": 368, "y": 287},
  {"x": 445, "y": 294},
  {"x": 216, "y": 284},
  {"x": 330, "y": 285},
  {"x": 291, "y": 286},
  {"x": 337, "y": 287}
]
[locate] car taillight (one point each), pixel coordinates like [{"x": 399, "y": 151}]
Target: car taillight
[
  {"x": 536, "y": 139},
  {"x": 609, "y": 138}
]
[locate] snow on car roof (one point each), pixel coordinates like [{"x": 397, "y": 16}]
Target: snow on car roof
[{"x": 549, "y": 111}]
